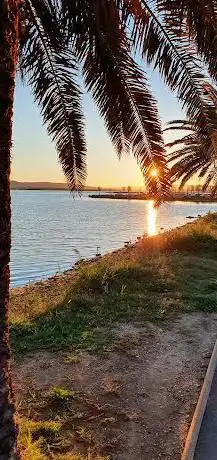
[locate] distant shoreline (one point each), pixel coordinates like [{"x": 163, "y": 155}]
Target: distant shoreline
[
  {"x": 144, "y": 197},
  {"x": 112, "y": 194},
  {"x": 15, "y": 185}
]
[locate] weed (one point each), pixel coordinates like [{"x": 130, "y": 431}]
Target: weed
[
  {"x": 72, "y": 359},
  {"x": 60, "y": 393},
  {"x": 34, "y": 437},
  {"x": 33, "y": 441},
  {"x": 84, "y": 434}
]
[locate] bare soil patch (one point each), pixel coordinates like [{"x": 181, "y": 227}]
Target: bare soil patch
[{"x": 132, "y": 403}]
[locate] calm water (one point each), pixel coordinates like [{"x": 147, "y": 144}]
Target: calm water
[{"x": 51, "y": 230}]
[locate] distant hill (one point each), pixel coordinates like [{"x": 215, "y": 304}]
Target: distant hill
[{"x": 15, "y": 185}]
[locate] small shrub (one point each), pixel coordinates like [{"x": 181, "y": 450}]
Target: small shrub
[{"x": 60, "y": 393}]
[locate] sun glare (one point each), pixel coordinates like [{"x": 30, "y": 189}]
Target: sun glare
[
  {"x": 154, "y": 173},
  {"x": 152, "y": 215}
]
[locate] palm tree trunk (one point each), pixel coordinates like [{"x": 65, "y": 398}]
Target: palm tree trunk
[{"x": 9, "y": 10}]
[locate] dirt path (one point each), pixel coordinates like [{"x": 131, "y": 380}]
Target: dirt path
[{"x": 135, "y": 402}]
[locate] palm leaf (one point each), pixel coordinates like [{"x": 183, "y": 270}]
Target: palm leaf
[
  {"x": 199, "y": 20},
  {"x": 193, "y": 154},
  {"x": 120, "y": 90},
  {"x": 176, "y": 61},
  {"x": 51, "y": 71}
]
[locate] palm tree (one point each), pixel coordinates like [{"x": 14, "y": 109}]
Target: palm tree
[
  {"x": 129, "y": 190},
  {"x": 195, "y": 153},
  {"x": 54, "y": 43}
]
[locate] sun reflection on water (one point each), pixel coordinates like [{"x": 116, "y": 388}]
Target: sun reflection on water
[{"x": 151, "y": 217}]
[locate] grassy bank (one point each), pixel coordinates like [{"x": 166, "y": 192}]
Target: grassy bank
[{"x": 158, "y": 277}]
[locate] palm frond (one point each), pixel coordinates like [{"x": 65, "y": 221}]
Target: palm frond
[
  {"x": 51, "y": 71},
  {"x": 180, "y": 125},
  {"x": 175, "y": 59},
  {"x": 199, "y": 20},
  {"x": 193, "y": 154},
  {"x": 120, "y": 91},
  {"x": 211, "y": 93}
]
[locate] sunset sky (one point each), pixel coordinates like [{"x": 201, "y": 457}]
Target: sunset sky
[{"x": 34, "y": 157}]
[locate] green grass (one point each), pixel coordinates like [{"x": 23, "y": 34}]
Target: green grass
[{"x": 161, "y": 276}]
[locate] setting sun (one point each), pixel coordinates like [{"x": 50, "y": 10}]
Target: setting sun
[{"x": 154, "y": 173}]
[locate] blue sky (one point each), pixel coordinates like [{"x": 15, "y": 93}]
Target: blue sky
[{"x": 34, "y": 157}]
